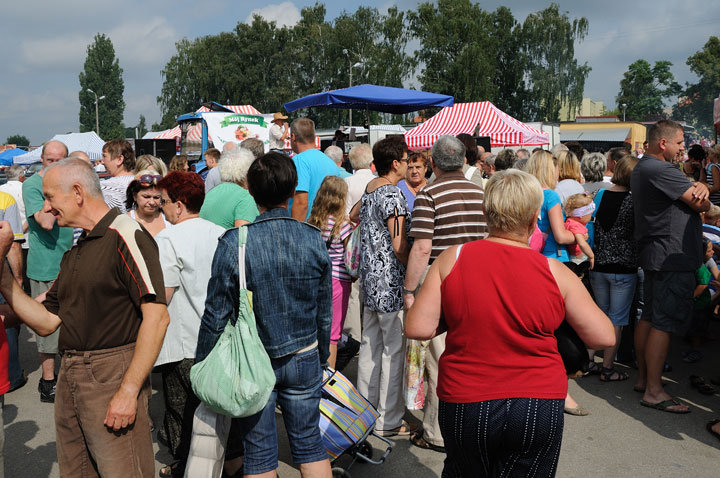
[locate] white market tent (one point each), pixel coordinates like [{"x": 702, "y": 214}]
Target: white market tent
[{"x": 88, "y": 142}]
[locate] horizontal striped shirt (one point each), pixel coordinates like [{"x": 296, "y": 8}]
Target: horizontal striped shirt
[{"x": 449, "y": 211}]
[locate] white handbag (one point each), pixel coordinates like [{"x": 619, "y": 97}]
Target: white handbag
[{"x": 207, "y": 446}]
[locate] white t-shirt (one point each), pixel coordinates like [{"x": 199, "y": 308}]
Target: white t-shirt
[
  {"x": 356, "y": 186},
  {"x": 568, "y": 187},
  {"x": 186, "y": 255}
]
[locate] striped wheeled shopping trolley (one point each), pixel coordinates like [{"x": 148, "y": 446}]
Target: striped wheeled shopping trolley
[{"x": 346, "y": 421}]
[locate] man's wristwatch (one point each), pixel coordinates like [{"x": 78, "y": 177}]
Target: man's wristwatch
[{"x": 408, "y": 291}]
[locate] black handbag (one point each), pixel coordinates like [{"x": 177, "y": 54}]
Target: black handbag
[{"x": 571, "y": 347}]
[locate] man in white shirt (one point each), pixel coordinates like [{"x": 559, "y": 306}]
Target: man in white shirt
[{"x": 279, "y": 132}]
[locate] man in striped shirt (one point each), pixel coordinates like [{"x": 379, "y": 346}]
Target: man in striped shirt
[{"x": 446, "y": 213}]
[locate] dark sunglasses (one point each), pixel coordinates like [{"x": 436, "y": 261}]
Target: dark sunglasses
[{"x": 147, "y": 180}]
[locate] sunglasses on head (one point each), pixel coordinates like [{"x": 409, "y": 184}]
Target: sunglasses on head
[{"x": 149, "y": 180}]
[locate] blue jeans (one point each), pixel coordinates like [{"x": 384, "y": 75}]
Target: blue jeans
[
  {"x": 614, "y": 294},
  {"x": 297, "y": 391}
]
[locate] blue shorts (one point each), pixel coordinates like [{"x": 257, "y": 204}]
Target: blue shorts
[
  {"x": 614, "y": 294},
  {"x": 297, "y": 391}
]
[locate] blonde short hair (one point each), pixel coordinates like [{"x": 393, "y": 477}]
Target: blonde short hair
[
  {"x": 575, "y": 201},
  {"x": 512, "y": 200},
  {"x": 568, "y": 166},
  {"x": 713, "y": 213},
  {"x": 542, "y": 165}
]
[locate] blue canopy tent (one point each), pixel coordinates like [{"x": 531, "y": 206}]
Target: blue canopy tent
[
  {"x": 372, "y": 97},
  {"x": 6, "y": 157}
]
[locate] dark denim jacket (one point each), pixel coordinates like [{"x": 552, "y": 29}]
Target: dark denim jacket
[{"x": 288, "y": 270}]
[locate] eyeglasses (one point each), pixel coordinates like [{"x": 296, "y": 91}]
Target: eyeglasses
[
  {"x": 147, "y": 180},
  {"x": 164, "y": 202}
]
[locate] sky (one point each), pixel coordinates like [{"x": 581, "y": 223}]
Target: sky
[{"x": 44, "y": 44}]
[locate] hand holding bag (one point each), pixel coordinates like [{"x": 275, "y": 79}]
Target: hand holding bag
[{"x": 236, "y": 378}]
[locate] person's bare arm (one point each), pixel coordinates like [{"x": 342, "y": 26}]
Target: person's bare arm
[
  {"x": 399, "y": 241},
  {"x": 355, "y": 213},
  {"x": 424, "y": 319},
  {"x": 715, "y": 178},
  {"x": 241, "y": 222},
  {"x": 45, "y": 220},
  {"x": 699, "y": 289},
  {"x": 169, "y": 291},
  {"x": 581, "y": 312},
  {"x": 14, "y": 258},
  {"x": 300, "y": 206},
  {"x": 417, "y": 262},
  {"x": 585, "y": 247},
  {"x": 557, "y": 226},
  {"x": 696, "y": 197},
  {"x": 123, "y": 406},
  {"x": 25, "y": 227}
]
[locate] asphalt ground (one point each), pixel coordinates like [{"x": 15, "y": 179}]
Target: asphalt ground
[{"x": 619, "y": 439}]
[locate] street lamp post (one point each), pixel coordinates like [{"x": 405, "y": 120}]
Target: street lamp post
[
  {"x": 624, "y": 107},
  {"x": 97, "y": 118},
  {"x": 356, "y": 65}
]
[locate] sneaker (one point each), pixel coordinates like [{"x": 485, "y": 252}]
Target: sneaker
[
  {"x": 47, "y": 390},
  {"x": 346, "y": 353}
]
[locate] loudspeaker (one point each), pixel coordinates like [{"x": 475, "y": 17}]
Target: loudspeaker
[{"x": 160, "y": 148}]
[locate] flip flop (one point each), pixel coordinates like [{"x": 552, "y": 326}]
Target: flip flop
[
  {"x": 664, "y": 406},
  {"x": 709, "y": 426},
  {"x": 405, "y": 429}
]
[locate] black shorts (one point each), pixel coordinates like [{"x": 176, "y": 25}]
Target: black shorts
[{"x": 669, "y": 300}]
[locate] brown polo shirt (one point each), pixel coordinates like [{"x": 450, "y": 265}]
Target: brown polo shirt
[
  {"x": 449, "y": 211},
  {"x": 102, "y": 282}
]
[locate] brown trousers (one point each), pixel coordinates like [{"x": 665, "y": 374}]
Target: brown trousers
[{"x": 86, "y": 448}]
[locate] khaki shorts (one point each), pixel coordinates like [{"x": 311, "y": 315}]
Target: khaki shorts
[{"x": 48, "y": 344}]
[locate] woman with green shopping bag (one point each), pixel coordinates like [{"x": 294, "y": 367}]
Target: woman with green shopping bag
[{"x": 288, "y": 273}]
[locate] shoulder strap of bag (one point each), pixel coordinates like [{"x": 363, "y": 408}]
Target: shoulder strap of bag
[
  {"x": 470, "y": 171},
  {"x": 242, "y": 240}
]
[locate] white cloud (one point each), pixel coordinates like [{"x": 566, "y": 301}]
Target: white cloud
[
  {"x": 148, "y": 42},
  {"x": 283, "y": 14}
]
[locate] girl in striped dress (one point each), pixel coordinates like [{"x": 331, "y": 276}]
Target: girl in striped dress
[{"x": 328, "y": 215}]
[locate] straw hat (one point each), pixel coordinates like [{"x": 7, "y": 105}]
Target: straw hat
[{"x": 279, "y": 116}]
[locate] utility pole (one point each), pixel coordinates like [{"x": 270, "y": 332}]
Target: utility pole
[{"x": 97, "y": 117}]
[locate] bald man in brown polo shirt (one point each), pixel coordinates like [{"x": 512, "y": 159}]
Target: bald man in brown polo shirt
[{"x": 110, "y": 299}]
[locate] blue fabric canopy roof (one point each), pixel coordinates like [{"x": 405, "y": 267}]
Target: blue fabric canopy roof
[
  {"x": 372, "y": 97},
  {"x": 6, "y": 157}
]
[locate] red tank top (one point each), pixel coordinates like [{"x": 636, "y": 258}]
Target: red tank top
[{"x": 501, "y": 305}]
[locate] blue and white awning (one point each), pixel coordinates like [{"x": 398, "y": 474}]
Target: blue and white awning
[{"x": 89, "y": 142}]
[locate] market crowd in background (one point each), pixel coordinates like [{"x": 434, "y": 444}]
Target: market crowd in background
[{"x": 483, "y": 282}]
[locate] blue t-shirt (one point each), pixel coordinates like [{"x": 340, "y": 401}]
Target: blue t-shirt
[
  {"x": 552, "y": 248},
  {"x": 312, "y": 167}
]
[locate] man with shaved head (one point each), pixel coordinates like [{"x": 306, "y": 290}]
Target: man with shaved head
[
  {"x": 48, "y": 242},
  {"x": 112, "y": 327},
  {"x": 80, "y": 155}
]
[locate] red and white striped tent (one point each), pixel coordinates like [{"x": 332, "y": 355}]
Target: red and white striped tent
[
  {"x": 168, "y": 133},
  {"x": 503, "y": 129}
]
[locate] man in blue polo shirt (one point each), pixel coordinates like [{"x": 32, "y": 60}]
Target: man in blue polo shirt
[{"x": 312, "y": 167}]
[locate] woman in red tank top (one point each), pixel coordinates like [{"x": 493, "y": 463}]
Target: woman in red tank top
[{"x": 501, "y": 380}]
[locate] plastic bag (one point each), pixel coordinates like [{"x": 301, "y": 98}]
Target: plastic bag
[{"x": 415, "y": 374}]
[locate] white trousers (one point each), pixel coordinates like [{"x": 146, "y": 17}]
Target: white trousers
[{"x": 381, "y": 366}]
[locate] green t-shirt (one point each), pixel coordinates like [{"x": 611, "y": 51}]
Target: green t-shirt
[
  {"x": 46, "y": 247},
  {"x": 226, "y": 203},
  {"x": 702, "y": 277}
]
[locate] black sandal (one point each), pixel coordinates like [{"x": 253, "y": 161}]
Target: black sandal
[
  {"x": 592, "y": 368},
  {"x": 701, "y": 385},
  {"x": 418, "y": 440},
  {"x": 612, "y": 375}
]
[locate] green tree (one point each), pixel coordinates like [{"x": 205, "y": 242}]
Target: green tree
[
  {"x": 18, "y": 139},
  {"x": 103, "y": 75},
  {"x": 454, "y": 35},
  {"x": 140, "y": 127},
  {"x": 554, "y": 74},
  {"x": 510, "y": 64},
  {"x": 644, "y": 89},
  {"x": 696, "y": 104}
]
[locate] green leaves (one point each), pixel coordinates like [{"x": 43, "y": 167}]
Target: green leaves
[
  {"x": 18, "y": 139},
  {"x": 103, "y": 75},
  {"x": 645, "y": 88},
  {"x": 696, "y": 103}
]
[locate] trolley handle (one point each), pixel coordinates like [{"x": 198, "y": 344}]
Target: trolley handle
[{"x": 381, "y": 460}]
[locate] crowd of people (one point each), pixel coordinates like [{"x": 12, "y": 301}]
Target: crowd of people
[{"x": 473, "y": 261}]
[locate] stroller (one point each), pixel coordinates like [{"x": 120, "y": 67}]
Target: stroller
[{"x": 346, "y": 420}]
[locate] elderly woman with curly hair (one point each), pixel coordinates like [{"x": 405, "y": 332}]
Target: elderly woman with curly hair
[
  {"x": 592, "y": 167},
  {"x": 229, "y": 204},
  {"x": 501, "y": 377}
]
